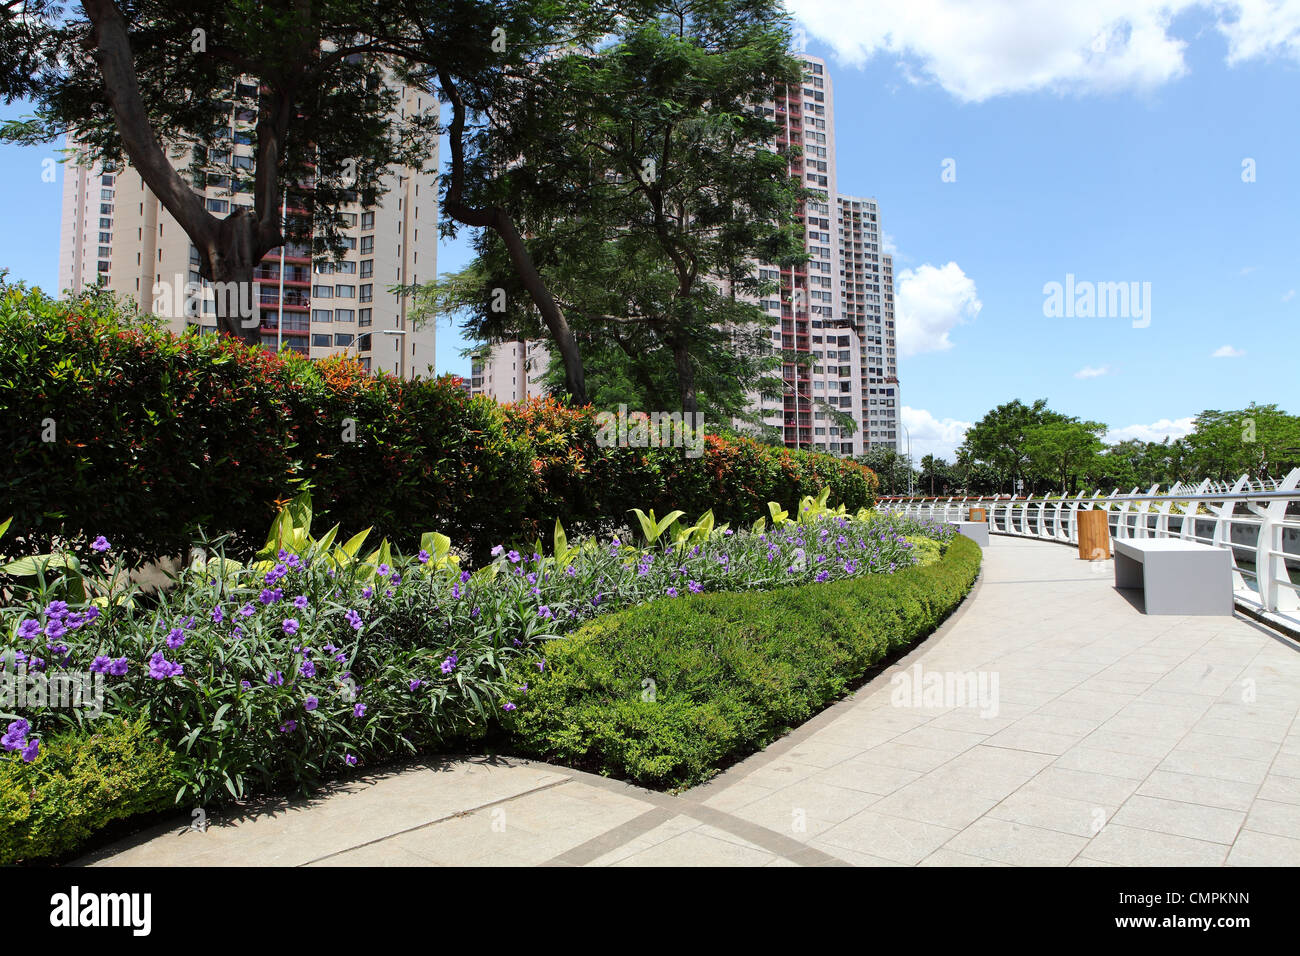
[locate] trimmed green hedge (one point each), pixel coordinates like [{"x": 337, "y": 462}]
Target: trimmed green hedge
[
  {"x": 668, "y": 693},
  {"x": 79, "y": 784},
  {"x": 145, "y": 437}
]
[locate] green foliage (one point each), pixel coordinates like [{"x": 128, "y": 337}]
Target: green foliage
[
  {"x": 156, "y": 437},
  {"x": 649, "y": 186},
  {"x": 667, "y": 693},
  {"x": 82, "y": 781}
]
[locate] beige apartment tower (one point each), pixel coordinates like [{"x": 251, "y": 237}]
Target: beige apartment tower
[{"x": 115, "y": 232}]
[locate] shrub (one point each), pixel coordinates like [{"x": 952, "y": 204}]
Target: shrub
[
  {"x": 155, "y": 436},
  {"x": 80, "y": 782},
  {"x": 312, "y": 659},
  {"x": 666, "y": 693}
]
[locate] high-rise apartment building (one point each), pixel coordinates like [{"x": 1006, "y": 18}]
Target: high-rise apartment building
[
  {"x": 836, "y": 310},
  {"x": 116, "y": 232},
  {"x": 509, "y": 371}
]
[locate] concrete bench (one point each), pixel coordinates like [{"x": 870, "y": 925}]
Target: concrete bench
[
  {"x": 1176, "y": 577},
  {"x": 977, "y": 531}
]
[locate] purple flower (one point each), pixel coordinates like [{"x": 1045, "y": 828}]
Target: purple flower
[
  {"x": 118, "y": 667},
  {"x": 289, "y": 625},
  {"x": 423, "y": 556},
  {"x": 694, "y": 587},
  {"x": 415, "y": 685},
  {"x": 464, "y": 577},
  {"x": 99, "y": 664},
  {"x": 350, "y": 760},
  {"x": 267, "y": 596},
  {"x": 514, "y": 557},
  {"x": 160, "y": 668},
  {"x": 359, "y": 710},
  {"x": 16, "y": 735},
  {"x": 496, "y": 552},
  {"x": 289, "y": 726},
  {"x": 55, "y": 629},
  {"x": 353, "y": 618},
  {"x": 507, "y": 706},
  {"x": 175, "y": 638},
  {"x": 368, "y": 591},
  {"x": 100, "y": 544},
  {"x": 449, "y": 664},
  {"x": 307, "y": 669},
  {"x": 301, "y": 602},
  {"x": 245, "y": 685},
  {"x": 671, "y": 592},
  {"x": 92, "y": 613},
  {"x": 218, "y": 615},
  {"x": 246, "y": 611},
  {"x": 311, "y": 703},
  {"x": 384, "y": 570},
  {"x": 822, "y": 576},
  {"x": 275, "y": 678},
  {"x": 31, "y": 750},
  {"x": 29, "y": 629},
  {"x": 56, "y": 610},
  {"x": 541, "y": 665},
  {"x": 544, "y": 611}
]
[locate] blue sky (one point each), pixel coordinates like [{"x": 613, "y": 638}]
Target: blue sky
[{"x": 1104, "y": 140}]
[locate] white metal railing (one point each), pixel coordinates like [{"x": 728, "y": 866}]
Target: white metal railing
[{"x": 1256, "y": 520}]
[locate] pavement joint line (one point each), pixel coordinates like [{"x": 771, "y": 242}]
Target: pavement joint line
[{"x": 442, "y": 819}]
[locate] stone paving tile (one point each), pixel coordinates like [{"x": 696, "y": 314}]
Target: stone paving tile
[
  {"x": 1130, "y": 846},
  {"x": 1264, "y": 849},
  {"x": 1213, "y": 824},
  {"x": 1051, "y": 811},
  {"x": 1016, "y": 843},
  {"x": 806, "y": 809},
  {"x": 698, "y": 848},
  {"x": 887, "y": 837},
  {"x": 1193, "y": 788}
]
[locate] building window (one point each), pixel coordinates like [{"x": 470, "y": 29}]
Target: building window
[{"x": 367, "y": 245}]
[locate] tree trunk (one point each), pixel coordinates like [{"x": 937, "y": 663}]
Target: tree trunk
[
  {"x": 685, "y": 379},
  {"x": 500, "y": 221},
  {"x": 231, "y": 260}
]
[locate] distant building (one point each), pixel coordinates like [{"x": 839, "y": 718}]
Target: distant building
[{"x": 116, "y": 232}]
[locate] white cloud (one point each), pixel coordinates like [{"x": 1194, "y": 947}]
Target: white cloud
[
  {"x": 1156, "y": 431},
  {"x": 931, "y": 301},
  {"x": 1227, "y": 351},
  {"x": 976, "y": 51},
  {"x": 930, "y": 435},
  {"x": 1288, "y": 295},
  {"x": 1089, "y": 372},
  {"x": 1261, "y": 28}
]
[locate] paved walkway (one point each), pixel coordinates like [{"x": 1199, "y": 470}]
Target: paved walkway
[{"x": 1118, "y": 739}]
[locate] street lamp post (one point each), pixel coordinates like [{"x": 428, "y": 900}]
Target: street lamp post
[{"x": 909, "y": 460}]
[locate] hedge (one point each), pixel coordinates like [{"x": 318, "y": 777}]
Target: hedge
[
  {"x": 81, "y": 782},
  {"x": 668, "y": 693},
  {"x": 146, "y": 437}
]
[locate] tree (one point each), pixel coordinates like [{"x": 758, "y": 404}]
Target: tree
[
  {"x": 936, "y": 475},
  {"x": 892, "y": 468},
  {"x": 642, "y": 178},
  {"x": 999, "y": 438},
  {"x": 1063, "y": 449},
  {"x": 142, "y": 82},
  {"x": 1259, "y": 440}
]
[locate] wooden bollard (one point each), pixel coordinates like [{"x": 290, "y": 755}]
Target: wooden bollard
[
  {"x": 1094, "y": 534},
  {"x": 978, "y": 514}
]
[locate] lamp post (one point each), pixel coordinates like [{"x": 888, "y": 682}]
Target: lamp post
[
  {"x": 909, "y": 460},
  {"x": 401, "y": 348}
]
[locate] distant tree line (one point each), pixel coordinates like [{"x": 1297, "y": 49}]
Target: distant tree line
[{"x": 1031, "y": 449}]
